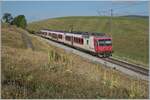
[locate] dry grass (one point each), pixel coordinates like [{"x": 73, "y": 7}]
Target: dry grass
[
  {"x": 12, "y": 37},
  {"x": 41, "y": 75},
  {"x": 50, "y": 72}
]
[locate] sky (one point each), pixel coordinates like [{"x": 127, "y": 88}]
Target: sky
[{"x": 39, "y": 10}]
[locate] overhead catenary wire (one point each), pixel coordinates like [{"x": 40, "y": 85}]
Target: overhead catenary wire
[
  {"x": 117, "y": 9},
  {"x": 128, "y": 6},
  {"x": 126, "y": 13}
]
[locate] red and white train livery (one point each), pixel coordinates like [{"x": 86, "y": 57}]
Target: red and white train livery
[{"x": 96, "y": 44}]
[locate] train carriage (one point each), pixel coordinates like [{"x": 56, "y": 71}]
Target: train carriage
[{"x": 99, "y": 45}]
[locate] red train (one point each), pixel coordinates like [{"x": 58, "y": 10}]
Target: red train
[{"x": 100, "y": 45}]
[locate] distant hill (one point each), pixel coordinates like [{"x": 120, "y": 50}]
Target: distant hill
[
  {"x": 130, "y": 35},
  {"x": 136, "y": 16}
]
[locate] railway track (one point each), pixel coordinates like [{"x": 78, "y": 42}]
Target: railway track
[{"x": 133, "y": 67}]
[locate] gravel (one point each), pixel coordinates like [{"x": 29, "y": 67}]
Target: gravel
[{"x": 97, "y": 60}]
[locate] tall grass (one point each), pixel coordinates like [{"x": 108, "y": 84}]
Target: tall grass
[{"x": 44, "y": 75}]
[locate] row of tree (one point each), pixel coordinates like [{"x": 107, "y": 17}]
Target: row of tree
[{"x": 19, "y": 21}]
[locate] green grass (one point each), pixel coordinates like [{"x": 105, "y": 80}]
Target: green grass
[
  {"x": 130, "y": 35},
  {"x": 50, "y": 72}
]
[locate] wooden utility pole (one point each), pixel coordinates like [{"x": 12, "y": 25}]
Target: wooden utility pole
[
  {"x": 71, "y": 28},
  {"x": 110, "y": 21}
]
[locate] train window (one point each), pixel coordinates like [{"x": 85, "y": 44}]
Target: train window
[
  {"x": 78, "y": 40},
  {"x": 68, "y": 38},
  {"x": 60, "y": 36},
  {"x": 54, "y": 35},
  {"x": 87, "y": 42},
  {"x": 106, "y": 42},
  {"x": 101, "y": 42},
  {"x": 74, "y": 39},
  {"x": 81, "y": 41}
]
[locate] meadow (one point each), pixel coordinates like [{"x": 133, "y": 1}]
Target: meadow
[
  {"x": 129, "y": 34},
  {"x": 50, "y": 72}
]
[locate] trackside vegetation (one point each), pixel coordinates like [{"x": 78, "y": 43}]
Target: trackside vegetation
[
  {"x": 49, "y": 72},
  {"x": 129, "y": 34},
  {"x": 19, "y": 21}
]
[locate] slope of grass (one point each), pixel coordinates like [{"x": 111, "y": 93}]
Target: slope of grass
[
  {"x": 12, "y": 37},
  {"x": 50, "y": 72},
  {"x": 130, "y": 35}
]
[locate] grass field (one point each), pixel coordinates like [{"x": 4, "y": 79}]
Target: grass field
[
  {"x": 50, "y": 72},
  {"x": 130, "y": 35}
]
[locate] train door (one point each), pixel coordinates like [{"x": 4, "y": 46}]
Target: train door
[
  {"x": 86, "y": 43},
  {"x": 71, "y": 40},
  {"x": 57, "y": 36}
]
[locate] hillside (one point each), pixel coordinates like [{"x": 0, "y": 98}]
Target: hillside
[
  {"x": 136, "y": 16},
  {"x": 50, "y": 72},
  {"x": 130, "y": 35}
]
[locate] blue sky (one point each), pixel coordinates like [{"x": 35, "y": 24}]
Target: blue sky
[{"x": 38, "y": 10}]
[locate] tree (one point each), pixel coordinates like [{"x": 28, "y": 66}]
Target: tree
[
  {"x": 7, "y": 18},
  {"x": 20, "y": 21}
]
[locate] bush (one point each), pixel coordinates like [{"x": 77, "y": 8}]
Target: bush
[{"x": 20, "y": 21}]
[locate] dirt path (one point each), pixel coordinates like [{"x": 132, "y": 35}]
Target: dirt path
[{"x": 27, "y": 41}]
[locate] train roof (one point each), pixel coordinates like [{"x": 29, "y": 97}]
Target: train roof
[
  {"x": 54, "y": 30},
  {"x": 96, "y": 34}
]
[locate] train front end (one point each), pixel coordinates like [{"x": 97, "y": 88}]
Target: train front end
[{"x": 103, "y": 46}]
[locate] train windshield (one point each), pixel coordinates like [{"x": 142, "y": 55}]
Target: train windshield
[{"x": 105, "y": 42}]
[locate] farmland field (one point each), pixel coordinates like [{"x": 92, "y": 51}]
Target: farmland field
[{"x": 130, "y": 34}]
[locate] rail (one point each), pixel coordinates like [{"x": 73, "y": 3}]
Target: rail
[{"x": 129, "y": 66}]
